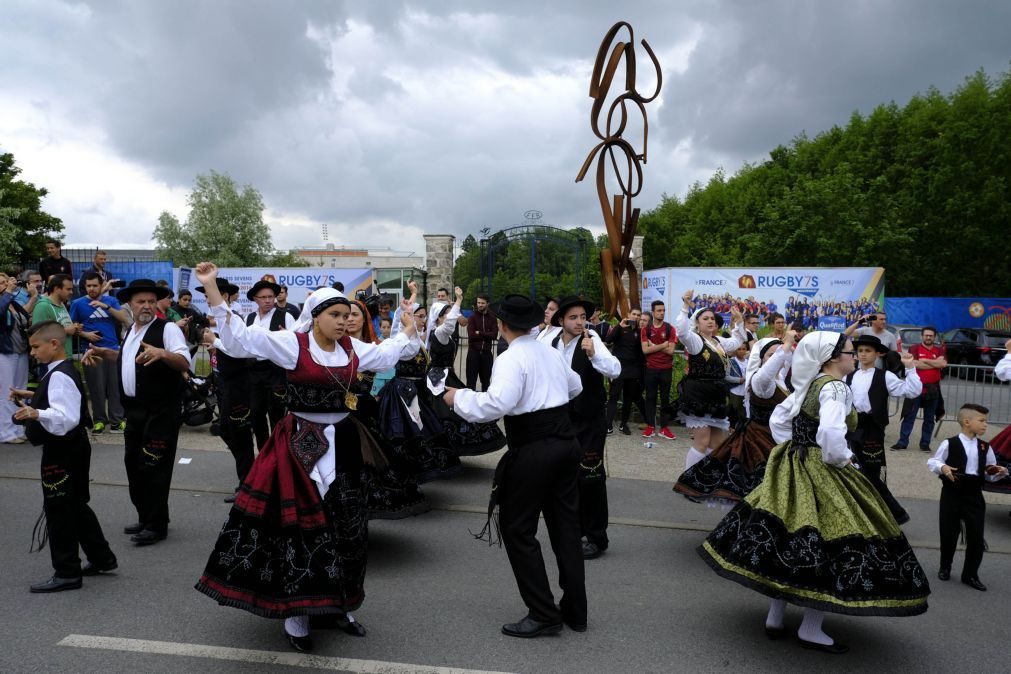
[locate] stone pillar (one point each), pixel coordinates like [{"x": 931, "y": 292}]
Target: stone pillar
[
  {"x": 637, "y": 261},
  {"x": 439, "y": 261}
]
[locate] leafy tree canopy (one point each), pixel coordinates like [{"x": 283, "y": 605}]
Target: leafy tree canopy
[{"x": 24, "y": 226}]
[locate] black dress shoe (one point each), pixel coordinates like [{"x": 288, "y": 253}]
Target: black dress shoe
[
  {"x": 625, "y": 430},
  {"x": 135, "y": 528},
  {"x": 924, "y": 448},
  {"x": 300, "y": 644},
  {"x": 902, "y": 517},
  {"x": 610, "y": 430},
  {"x": 355, "y": 629},
  {"x": 528, "y": 628},
  {"x": 57, "y": 584},
  {"x": 90, "y": 569},
  {"x": 591, "y": 550},
  {"x": 944, "y": 574},
  {"x": 574, "y": 626},
  {"x": 974, "y": 583},
  {"x": 148, "y": 537},
  {"x": 834, "y": 649},
  {"x": 775, "y": 633},
  {"x": 897, "y": 447}
]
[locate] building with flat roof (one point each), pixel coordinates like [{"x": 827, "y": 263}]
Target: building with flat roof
[{"x": 392, "y": 269}]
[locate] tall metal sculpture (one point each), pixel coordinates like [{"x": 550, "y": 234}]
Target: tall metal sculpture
[{"x": 620, "y": 218}]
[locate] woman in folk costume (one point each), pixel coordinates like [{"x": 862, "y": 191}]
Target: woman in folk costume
[
  {"x": 405, "y": 408},
  {"x": 815, "y": 532},
  {"x": 702, "y": 405},
  {"x": 464, "y": 437},
  {"x": 737, "y": 466},
  {"x": 294, "y": 544},
  {"x": 392, "y": 491}
]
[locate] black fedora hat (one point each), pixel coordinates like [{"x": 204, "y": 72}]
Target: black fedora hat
[
  {"x": 260, "y": 285},
  {"x": 567, "y": 303},
  {"x": 224, "y": 287},
  {"x": 518, "y": 311},
  {"x": 142, "y": 285},
  {"x": 871, "y": 341}
]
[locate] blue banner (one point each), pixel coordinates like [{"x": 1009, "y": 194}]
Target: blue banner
[{"x": 945, "y": 313}]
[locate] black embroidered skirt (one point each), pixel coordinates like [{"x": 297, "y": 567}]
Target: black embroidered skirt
[{"x": 732, "y": 470}]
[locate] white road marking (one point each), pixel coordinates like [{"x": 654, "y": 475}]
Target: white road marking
[{"x": 289, "y": 659}]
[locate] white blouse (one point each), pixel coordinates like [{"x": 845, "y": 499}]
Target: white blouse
[
  {"x": 835, "y": 401},
  {"x": 694, "y": 342}
]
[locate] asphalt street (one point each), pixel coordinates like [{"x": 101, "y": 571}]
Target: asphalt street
[{"x": 436, "y": 598}]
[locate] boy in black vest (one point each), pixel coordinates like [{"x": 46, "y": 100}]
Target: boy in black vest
[
  {"x": 963, "y": 462},
  {"x": 267, "y": 381},
  {"x": 584, "y": 351},
  {"x": 58, "y": 420},
  {"x": 871, "y": 387}
]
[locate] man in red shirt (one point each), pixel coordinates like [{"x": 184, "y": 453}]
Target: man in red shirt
[
  {"x": 929, "y": 361},
  {"x": 658, "y": 341}
]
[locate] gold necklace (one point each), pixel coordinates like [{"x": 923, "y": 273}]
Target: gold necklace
[{"x": 350, "y": 399}]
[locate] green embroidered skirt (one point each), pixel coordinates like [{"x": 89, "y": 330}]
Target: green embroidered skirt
[{"x": 818, "y": 536}]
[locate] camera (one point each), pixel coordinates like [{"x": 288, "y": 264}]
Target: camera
[
  {"x": 117, "y": 284},
  {"x": 21, "y": 284}
]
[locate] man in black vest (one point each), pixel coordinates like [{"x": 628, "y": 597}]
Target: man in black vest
[
  {"x": 266, "y": 379},
  {"x": 871, "y": 387},
  {"x": 152, "y": 360},
  {"x": 963, "y": 462},
  {"x": 58, "y": 420},
  {"x": 233, "y": 390},
  {"x": 584, "y": 351}
]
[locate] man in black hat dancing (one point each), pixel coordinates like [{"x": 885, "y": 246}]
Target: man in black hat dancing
[
  {"x": 531, "y": 387},
  {"x": 266, "y": 380},
  {"x": 233, "y": 396},
  {"x": 584, "y": 351},
  {"x": 153, "y": 357}
]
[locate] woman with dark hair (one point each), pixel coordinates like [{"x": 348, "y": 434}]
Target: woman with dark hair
[
  {"x": 702, "y": 406},
  {"x": 737, "y": 466},
  {"x": 815, "y": 532},
  {"x": 294, "y": 544},
  {"x": 392, "y": 491}
]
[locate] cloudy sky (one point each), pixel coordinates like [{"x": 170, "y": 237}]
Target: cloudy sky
[{"x": 387, "y": 120}]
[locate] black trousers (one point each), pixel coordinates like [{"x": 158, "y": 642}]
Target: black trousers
[
  {"x": 962, "y": 504},
  {"x": 150, "y": 438},
  {"x": 70, "y": 521},
  {"x": 869, "y": 446},
  {"x": 657, "y": 381},
  {"x": 592, "y": 479},
  {"x": 630, "y": 392},
  {"x": 235, "y": 418},
  {"x": 540, "y": 477},
  {"x": 479, "y": 365},
  {"x": 266, "y": 406}
]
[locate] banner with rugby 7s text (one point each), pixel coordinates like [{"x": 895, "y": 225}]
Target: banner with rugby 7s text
[{"x": 826, "y": 298}]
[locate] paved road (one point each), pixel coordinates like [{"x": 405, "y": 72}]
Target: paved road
[{"x": 436, "y": 597}]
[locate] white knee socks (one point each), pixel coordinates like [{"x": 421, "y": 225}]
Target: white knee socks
[
  {"x": 297, "y": 626},
  {"x": 694, "y": 456},
  {"x": 810, "y": 628},
  {"x": 777, "y": 607}
]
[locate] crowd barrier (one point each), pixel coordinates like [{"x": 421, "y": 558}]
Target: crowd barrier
[{"x": 969, "y": 384}]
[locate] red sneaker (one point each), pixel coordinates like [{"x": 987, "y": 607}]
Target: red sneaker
[
  {"x": 665, "y": 432},
  {"x": 648, "y": 433}
]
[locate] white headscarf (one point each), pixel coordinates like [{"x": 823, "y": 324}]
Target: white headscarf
[
  {"x": 813, "y": 351},
  {"x": 304, "y": 322},
  {"x": 695, "y": 318},
  {"x": 755, "y": 364},
  {"x": 433, "y": 316}
]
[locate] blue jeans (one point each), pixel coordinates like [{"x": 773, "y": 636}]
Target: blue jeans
[{"x": 929, "y": 408}]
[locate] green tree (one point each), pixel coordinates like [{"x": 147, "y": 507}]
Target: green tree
[
  {"x": 225, "y": 224},
  {"x": 24, "y": 226}
]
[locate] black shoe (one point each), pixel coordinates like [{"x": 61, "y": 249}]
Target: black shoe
[
  {"x": 575, "y": 627},
  {"x": 924, "y": 448},
  {"x": 355, "y": 629},
  {"x": 230, "y": 499},
  {"x": 975, "y": 583},
  {"x": 834, "y": 649},
  {"x": 610, "y": 430},
  {"x": 300, "y": 644},
  {"x": 625, "y": 430},
  {"x": 528, "y": 628},
  {"x": 775, "y": 633},
  {"x": 944, "y": 573},
  {"x": 897, "y": 446},
  {"x": 148, "y": 537},
  {"x": 135, "y": 528},
  {"x": 57, "y": 584},
  {"x": 90, "y": 569},
  {"x": 902, "y": 517},
  {"x": 591, "y": 550}
]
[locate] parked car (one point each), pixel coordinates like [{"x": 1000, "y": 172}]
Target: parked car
[
  {"x": 975, "y": 346},
  {"x": 907, "y": 334}
]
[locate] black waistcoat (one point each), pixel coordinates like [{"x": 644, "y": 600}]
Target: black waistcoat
[
  {"x": 277, "y": 319},
  {"x": 38, "y": 435},
  {"x": 877, "y": 394},
  {"x": 442, "y": 355},
  {"x": 590, "y": 403},
  {"x": 156, "y": 384},
  {"x": 957, "y": 459}
]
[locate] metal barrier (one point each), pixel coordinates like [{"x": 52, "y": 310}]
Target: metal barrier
[{"x": 969, "y": 384}]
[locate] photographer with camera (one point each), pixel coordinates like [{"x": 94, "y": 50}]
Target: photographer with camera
[
  {"x": 874, "y": 325},
  {"x": 13, "y": 354}
]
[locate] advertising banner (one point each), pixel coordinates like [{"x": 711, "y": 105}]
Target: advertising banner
[
  {"x": 300, "y": 281},
  {"x": 827, "y": 298},
  {"x": 946, "y": 313}
]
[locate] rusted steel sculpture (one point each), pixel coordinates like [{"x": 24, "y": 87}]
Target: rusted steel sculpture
[{"x": 619, "y": 217}]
